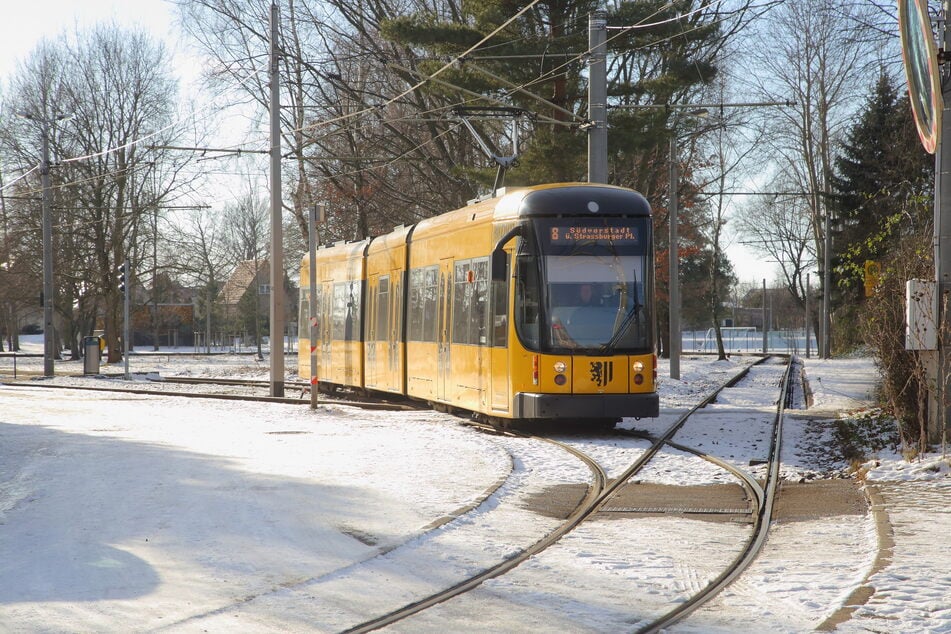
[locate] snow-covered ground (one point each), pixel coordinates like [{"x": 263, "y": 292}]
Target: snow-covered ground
[{"x": 129, "y": 512}]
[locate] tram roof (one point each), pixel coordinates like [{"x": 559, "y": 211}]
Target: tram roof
[{"x": 574, "y": 199}]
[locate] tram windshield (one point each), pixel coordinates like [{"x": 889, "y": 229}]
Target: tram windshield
[{"x": 590, "y": 276}]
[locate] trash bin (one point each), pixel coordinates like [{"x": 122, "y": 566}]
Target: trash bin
[{"x": 91, "y": 355}]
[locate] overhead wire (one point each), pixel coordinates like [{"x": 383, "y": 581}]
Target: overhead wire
[
  {"x": 512, "y": 87},
  {"x": 206, "y": 109}
]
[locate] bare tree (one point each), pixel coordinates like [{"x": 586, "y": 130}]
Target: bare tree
[
  {"x": 120, "y": 92},
  {"x": 779, "y": 226},
  {"x": 348, "y": 143},
  {"x": 18, "y": 276},
  {"x": 198, "y": 256},
  {"x": 810, "y": 52},
  {"x": 726, "y": 161},
  {"x": 99, "y": 95},
  {"x": 246, "y": 224},
  {"x": 34, "y": 102}
]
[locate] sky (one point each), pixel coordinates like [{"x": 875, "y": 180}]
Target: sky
[
  {"x": 18, "y": 37},
  {"x": 49, "y": 19},
  {"x": 122, "y": 512}
]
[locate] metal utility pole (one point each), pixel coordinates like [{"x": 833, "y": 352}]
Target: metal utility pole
[
  {"x": 597, "y": 99},
  {"x": 765, "y": 323},
  {"x": 277, "y": 236},
  {"x": 674, "y": 284},
  {"x": 826, "y": 284},
  {"x": 808, "y": 292},
  {"x": 927, "y": 72},
  {"x": 49, "y": 334},
  {"x": 941, "y": 418},
  {"x": 316, "y": 216},
  {"x": 126, "y": 291}
]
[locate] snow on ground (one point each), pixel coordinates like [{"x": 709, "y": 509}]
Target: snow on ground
[{"x": 123, "y": 512}]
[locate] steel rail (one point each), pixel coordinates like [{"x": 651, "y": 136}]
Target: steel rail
[
  {"x": 196, "y": 380},
  {"x": 599, "y": 493},
  {"x": 760, "y": 530},
  {"x": 592, "y": 503},
  {"x": 370, "y": 405},
  {"x": 583, "y": 509}
]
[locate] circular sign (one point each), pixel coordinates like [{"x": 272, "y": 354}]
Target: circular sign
[{"x": 921, "y": 69}]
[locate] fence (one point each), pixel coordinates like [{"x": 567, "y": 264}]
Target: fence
[{"x": 749, "y": 340}]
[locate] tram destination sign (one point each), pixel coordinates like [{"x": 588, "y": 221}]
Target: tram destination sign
[{"x": 571, "y": 234}]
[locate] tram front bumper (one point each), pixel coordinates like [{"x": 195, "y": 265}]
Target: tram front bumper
[{"x": 552, "y": 406}]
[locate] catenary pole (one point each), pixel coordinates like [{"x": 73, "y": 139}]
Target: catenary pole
[
  {"x": 826, "y": 281},
  {"x": 316, "y": 215},
  {"x": 942, "y": 242},
  {"x": 597, "y": 99},
  {"x": 765, "y": 323},
  {"x": 808, "y": 291},
  {"x": 277, "y": 237},
  {"x": 49, "y": 334},
  {"x": 125, "y": 318},
  {"x": 674, "y": 283}
]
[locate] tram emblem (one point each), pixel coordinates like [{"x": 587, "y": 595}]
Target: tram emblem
[{"x": 602, "y": 372}]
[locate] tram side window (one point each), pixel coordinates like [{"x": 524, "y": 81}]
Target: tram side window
[
  {"x": 395, "y": 319},
  {"x": 346, "y": 311},
  {"x": 500, "y": 309},
  {"x": 422, "y": 304},
  {"x": 303, "y": 315},
  {"x": 382, "y": 309},
  {"x": 303, "y": 321},
  {"x": 527, "y": 297},
  {"x": 470, "y": 301},
  {"x": 430, "y": 287}
]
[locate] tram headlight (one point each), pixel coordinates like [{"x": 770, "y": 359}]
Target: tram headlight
[
  {"x": 560, "y": 366},
  {"x": 637, "y": 369},
  {"x": 560, "y": 379}
]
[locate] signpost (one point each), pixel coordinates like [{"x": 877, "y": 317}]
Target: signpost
[{"x": 923, "y": 70}]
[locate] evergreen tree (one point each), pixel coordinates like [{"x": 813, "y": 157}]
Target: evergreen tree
[
  {"x": 543, "y": 54},
  {"x": 881, "y": 170},
  {"x": 665, "y": 55}
]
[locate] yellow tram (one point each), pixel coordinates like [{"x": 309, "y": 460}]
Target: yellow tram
[{"x": 536, "y": 304}]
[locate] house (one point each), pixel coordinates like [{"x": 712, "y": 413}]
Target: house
[{"x": 244, "y": 300}]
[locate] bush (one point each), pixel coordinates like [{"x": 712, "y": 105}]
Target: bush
[
  {"x": 903, "y": 389},
  {"x": 866, "y": 432}
]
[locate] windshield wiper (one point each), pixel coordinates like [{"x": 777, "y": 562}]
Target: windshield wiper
[
  {"x": 628, "y": 318},
  {"x": 622, "y": 328}
]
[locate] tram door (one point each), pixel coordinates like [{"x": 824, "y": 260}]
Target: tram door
[
  {"x": 499, "y": 316},
  {"x": 443, "y": 336},
  {"x": 373, "y": 333}
]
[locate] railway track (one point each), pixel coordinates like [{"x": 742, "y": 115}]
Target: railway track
[
  {"x": 157, "y": 387},
  {"x": 596, "y": 500},
  {"x": 764, "y": 497},
  {"x": 599, "y": 495}
]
